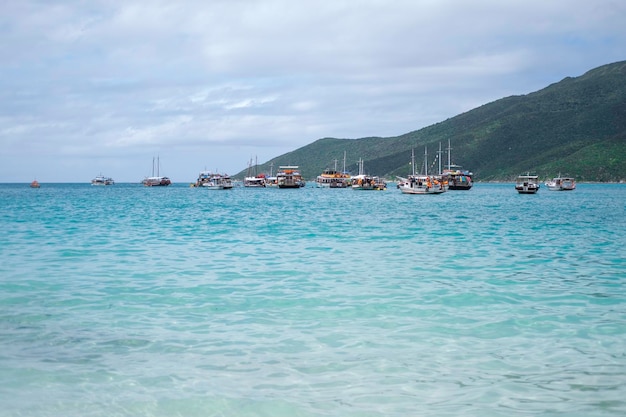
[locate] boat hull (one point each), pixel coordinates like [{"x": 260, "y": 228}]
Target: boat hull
[
  {"x": 459, "y": 187},
  {"x": 421, "y": 190}
]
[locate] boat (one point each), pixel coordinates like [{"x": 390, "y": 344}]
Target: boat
[
  {"x": 271, "y": 180},
  {"x": 257, "y": 181},
  {"x": 213, "y": 181},
  {"x": 35, "y": 184},
  {"x": 364, "y": 182},
  {"x": 331, "y": 178},
  {"x": 458, "y": 179},
  {"x": 527, "y": 184},
  {"x": 156, "y": 180},
  {"x": 252, "y": 179},
  {"x": 102, "y": 180},
  {"x": 289, "y": 176},
  {"x": 422, "y": 183},
  {"x": 561, "y": 184}
]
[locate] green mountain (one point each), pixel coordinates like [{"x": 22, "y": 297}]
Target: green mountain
[{"x": 575, "y": 127}]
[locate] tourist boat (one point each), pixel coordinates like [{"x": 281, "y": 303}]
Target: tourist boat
[
  {"x": 252, "y": 179},
  {"x": 331, "y": 178},
  {"x": 363, "y": 182},
  {"x": 35, "y": 184},
  {"x": 458, "y": 179},
  {"x": 422, "y": 183},
  {"x": 561, "y": 184},
  {"x": 102, "y": 180},
  {"x": 258, "y": 181},
  {"x": 271, "y": 180},
  {"x": 527, "y": 184},
  {"x": 289, "y": 176},
  {"x": 214, "y": 181},
  {"x": 156, "y": 180}
]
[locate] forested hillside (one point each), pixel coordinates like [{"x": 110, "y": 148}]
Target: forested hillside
[{"x": 576, "y": 127}]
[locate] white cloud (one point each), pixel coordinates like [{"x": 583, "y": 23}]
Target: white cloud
[{"x": 128, "y": 79}]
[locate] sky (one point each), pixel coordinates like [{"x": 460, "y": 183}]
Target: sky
[{"x": 105, "y": 86}]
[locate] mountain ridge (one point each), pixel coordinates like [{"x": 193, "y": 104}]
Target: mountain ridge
[{"x": 576, "y": 126}]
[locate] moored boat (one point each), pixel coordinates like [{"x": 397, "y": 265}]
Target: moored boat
[
  {"x": 527, "y": 184},
  {"x": 102, "y": 180},
  {"x": 252, "y": 179},
  {"x": 365, "y": 182},
  {"x": 332, "y": 178},
  {"x": 289, "y": 176},
  {"x": 458, "y": 179},
  {"x": 213, "y": 181},
  {"x": 422, "y": 183},
  {"x": 258, "y": 181},
  {"x": 156, "y": 180},
  {"x": 561, "y": 184}
]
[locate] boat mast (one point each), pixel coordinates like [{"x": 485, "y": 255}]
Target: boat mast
[
  {"x": 413, "y": 162},
  {"x": 425, "y": 160},
  {"x": 439, "y": 157},
  {"x": 449, "y": 149},
  {"x": 344, "y": 162}
]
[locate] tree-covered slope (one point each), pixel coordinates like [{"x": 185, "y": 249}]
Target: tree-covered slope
[{"x": 576, "y": 127}]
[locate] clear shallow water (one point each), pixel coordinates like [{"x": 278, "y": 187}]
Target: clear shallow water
[{"x": 132, "y": 301}]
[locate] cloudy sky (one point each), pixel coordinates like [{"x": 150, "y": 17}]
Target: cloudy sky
[{"x": 103, "y": 86}]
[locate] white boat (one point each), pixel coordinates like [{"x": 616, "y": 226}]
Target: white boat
[
  {"x": 271, "y": 180},
  {"x": 252, "y": 179},
  {"x": 422, "y": 183},
  {"x": 364, "y": 182},
  {"x": 156, "y": 180},
  {"x": 331, "y": 178},
  {"x": 213, "y": 181},
  {"x": 458, "y": 179},
  {"x": 527, "y": 184},
  {"x": 289, "y": 176},
  {"x": 102, "y": 180},
  {"x": 561, "y": 184},
  {"x": 258, "y": 181}
]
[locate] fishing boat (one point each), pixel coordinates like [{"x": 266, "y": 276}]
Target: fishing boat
[
  {"x": 561, "y": 184},
  {"x": 527, "y": 184},
  {"x": 253, "y": 179},
  {"x": 364, "y": 182},
  {"x": 35, "y": 184},
  {"x": 289, "y": 176},
  {"x": 331, "y": 178},
  {"x": 422, "y": 183},
  {"x": 102, "y": 180},
  {"x": 214, "y": 181},
  {"x": 156, "y": 180},
  {"x": 458, "y": 179}
]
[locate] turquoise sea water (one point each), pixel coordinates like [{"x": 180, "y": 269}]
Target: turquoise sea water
[{"x": 132, "y": 301}]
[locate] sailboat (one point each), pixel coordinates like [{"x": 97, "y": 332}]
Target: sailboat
[
  {"x": 422, "y": 183},
  {"x": 252, "y": 179},
  {"x": 156, "y": 180}
]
